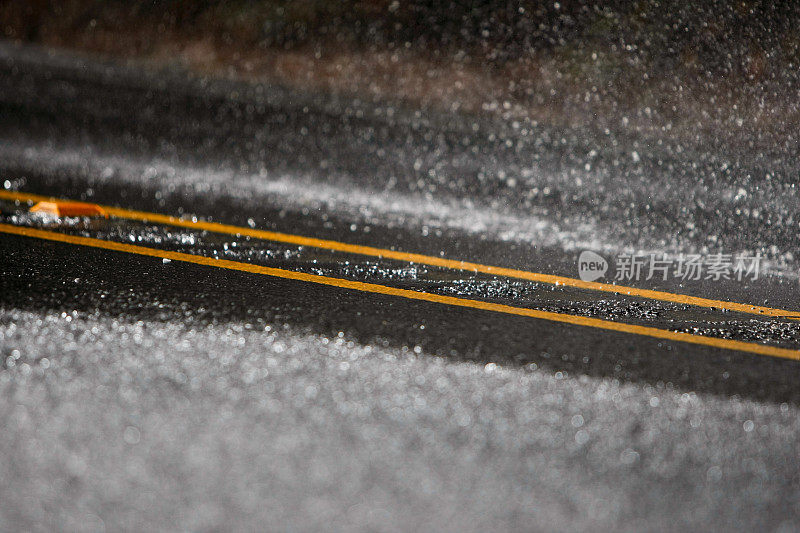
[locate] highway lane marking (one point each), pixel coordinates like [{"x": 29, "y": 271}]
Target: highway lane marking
[
  {"x": 647, "y": 331},
  {"x": 453, "y": 264}
]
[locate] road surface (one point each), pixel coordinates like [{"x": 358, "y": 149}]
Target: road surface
[{"x": 303, "y": 347}]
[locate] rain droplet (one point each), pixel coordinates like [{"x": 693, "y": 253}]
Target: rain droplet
[{"x": 131, "y": 435}]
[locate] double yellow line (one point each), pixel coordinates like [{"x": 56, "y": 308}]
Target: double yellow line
[
  {"x": 383, "y": 253},
  {"x": 404, "y": 293}
]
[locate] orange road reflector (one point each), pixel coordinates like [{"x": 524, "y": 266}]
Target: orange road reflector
[{"x": 69, "y": 209}]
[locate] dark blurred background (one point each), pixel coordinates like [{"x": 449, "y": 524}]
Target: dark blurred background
[
  {"x": 753, "y": 39},
  {"x": 652, "y": 63}
]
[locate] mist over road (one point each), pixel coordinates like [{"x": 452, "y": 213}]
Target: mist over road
[{"x": 140, "y": 391}]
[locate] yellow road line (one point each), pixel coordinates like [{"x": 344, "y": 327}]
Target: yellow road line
[
  {"x": 404, "y": 293},
  {"x": 299, "y": 240}
]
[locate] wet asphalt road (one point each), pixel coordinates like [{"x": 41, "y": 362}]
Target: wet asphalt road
[{"x": 142, "y": 394}]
